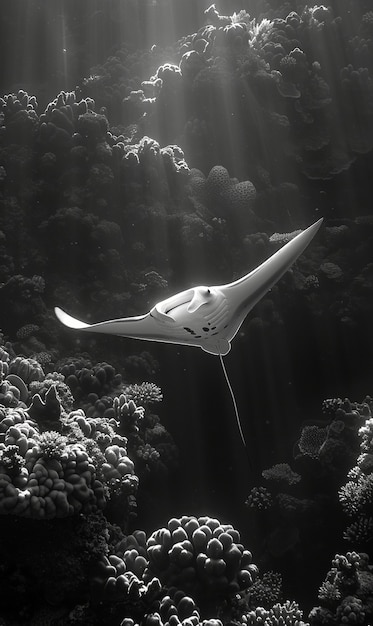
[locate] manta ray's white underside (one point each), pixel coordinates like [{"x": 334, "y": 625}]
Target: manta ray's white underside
[{"x": 205, "y": 317}]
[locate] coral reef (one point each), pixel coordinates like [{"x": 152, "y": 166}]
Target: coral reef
[
  {"x": 346, "y": 594},
  {"x": 299, "y": 511},
  {"x": 166, "y": 561},
  {"x": 201, "y": 557},
  {"x": 165, "y": 167},
  {"x": 282, "y": 473},
  {"x": 53, "y": 473},
  {"x": 288, "y": 613},
  {"x": 356, "y": 496}
]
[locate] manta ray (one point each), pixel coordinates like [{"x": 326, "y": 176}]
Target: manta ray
[{"x": 205, "y": 317}]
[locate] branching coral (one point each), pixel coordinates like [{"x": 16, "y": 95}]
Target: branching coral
[
  {"x": 356, "y": 496},
  {"x": 346, "y": 594},
  {"x": 366, "y": 434},
  {"x": 265, "y": 592},
  {"x": 259, "y": 498},
  {"x": 287, "y": 106},
  {"x": 144, "y": 394},
  {"x": 288, "y": 613}
]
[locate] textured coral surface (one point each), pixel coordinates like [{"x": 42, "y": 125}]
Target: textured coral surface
[{"x": 184, "y": 152}]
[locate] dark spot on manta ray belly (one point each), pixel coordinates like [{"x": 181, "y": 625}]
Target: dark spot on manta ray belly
[
  {"x": 192, "y": 332},
  {"x": 206, "y": 329}
]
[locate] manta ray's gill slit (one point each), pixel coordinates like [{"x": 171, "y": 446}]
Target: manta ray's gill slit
[{"x": 219, "y": 314}]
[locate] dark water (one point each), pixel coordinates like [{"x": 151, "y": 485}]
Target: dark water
[{"x": 97, "y": 218}]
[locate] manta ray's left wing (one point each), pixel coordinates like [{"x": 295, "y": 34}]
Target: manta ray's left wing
[{"x": 156, "y": 325}]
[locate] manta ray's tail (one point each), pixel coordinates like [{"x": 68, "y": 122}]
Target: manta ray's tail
[{"x": 235, "y": 409}]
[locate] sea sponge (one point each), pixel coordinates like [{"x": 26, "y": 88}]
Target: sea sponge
[{"x": 200, "y": 556}]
